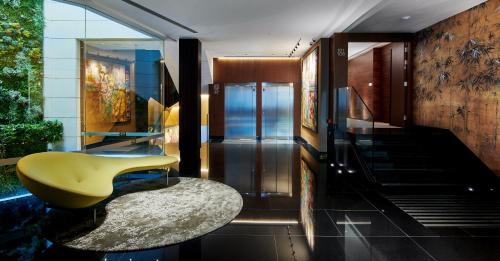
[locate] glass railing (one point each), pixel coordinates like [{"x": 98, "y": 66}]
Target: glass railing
[
  {"x": 359, "y": 116},
  {"x": 361, "y": 123}
]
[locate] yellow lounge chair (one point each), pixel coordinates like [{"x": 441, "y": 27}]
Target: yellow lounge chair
[{"x": 76, "y": 180}]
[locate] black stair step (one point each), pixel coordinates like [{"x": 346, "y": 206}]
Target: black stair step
[
  {"x": 381, "y": 165},
  {"x": 396, "y": 155},
  {"x": 421, "y": 158}
]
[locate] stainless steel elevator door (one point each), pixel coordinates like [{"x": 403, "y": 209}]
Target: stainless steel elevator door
[
  {"x": 277, "y": 110},
  {"x": 277, "y": 168},
  {"x": 239, "y": 166},
  {"x": 240, "y": 111}
]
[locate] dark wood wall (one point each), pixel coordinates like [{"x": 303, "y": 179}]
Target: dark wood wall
[
  {"x": 361, "y": 73},
  {"x": 234, "y": 70},
  {"x": 376, "y": 67},
  {"x": 386, "y": 83}
]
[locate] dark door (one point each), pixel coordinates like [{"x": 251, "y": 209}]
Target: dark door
[{"x": 398, "y": 88}]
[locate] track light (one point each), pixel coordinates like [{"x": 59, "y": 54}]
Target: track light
[{"x": 295, "y": 47}]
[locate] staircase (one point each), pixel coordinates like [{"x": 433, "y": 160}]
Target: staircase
[{"x": 421, "y": 160}]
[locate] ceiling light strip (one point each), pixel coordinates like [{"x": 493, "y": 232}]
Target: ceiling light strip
[{"x": 147, "y": 10}]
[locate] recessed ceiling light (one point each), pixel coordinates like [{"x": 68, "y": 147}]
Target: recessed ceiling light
[{"x": 406, "y": 17}]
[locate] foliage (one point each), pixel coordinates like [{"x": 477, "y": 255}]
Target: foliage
[
  {"x": 22, "y": 129},
  {"x": 8, "y": 180},
  {"x": 472, "y": 51},
  {"x": 26, "y": 138},
  {"x": 21, "y": 38},
  {"x": 15, "y": 108}
]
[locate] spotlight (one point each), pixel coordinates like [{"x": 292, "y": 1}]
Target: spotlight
[
  {"x": 332, "y": 165},
  {"x": 471, "y": 189},
  {"x": 339, "y": 171}
]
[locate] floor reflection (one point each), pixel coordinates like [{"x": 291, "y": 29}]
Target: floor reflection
[{"x": 295, "y": 208}]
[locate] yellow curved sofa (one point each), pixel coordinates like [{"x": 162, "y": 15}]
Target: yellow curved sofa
[{"x": 76, "y": 180}]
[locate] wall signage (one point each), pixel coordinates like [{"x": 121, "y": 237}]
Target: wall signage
[
  {"x": 341, "y": 52},
  {"x": 216, "y": 89}
]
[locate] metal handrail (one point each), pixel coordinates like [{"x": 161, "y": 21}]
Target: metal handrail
[
  {"x": 364, "y": 103},
  {"x": 372, "y": 120}
]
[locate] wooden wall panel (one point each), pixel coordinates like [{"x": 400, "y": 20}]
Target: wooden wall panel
[
  {"x": 368, "y": 68},
  {"x": 378, "y": 92},
  {"x": 376, "y": 66},
  {"x": 398, "y": 90},
  {"x": 216, "y": 109},
  {"x": 233, "y": 70},
  {"x": 386, "y": 83},
  {"x": 360, "y": 75}
]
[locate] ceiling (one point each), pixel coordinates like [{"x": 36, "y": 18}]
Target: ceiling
[
  {"x": 355, "y": 49},
  {"x": 387, "y": 15},
  {"x": 273, "y": 27}
]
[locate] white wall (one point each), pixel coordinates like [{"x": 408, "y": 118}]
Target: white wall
[
  {"x": 65, "y": 25},
  {"x": 171, "y": 54},
  {"x": 206, "y": 70}
]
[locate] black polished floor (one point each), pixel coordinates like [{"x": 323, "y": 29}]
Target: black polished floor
[{"x": 295, "y": 208}]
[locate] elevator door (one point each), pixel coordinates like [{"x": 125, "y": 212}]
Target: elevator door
[
  {"x": 277, "y": 110},
  {"x": 239, "y": 113}
]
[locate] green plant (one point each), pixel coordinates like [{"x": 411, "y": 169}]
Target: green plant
[
  {"x": 15, "y": 108},
  {"x": 26, "y": 138},
  {"x": 21, "y": 39},
  {"x": 8, "y": 180}
]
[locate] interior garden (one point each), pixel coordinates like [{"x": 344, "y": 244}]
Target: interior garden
[{"x": 22, "y": 127}]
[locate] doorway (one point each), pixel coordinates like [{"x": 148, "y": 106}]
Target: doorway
[
  {"x": 239, "y": 110},
  {"x": 377, "y": 80},
  {"x": 277, "y": 110},
  {"x": 259, "y": 110}
]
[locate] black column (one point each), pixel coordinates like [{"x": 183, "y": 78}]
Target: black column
[{"x": 190, "y": 106}]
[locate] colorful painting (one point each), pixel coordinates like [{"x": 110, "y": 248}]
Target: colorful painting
[
  {"x": 310, "y": 91},
  {"x": 457, "y": 79},
  {"x": 306, "y": 202},
  {"x": 109, "y": 85}
]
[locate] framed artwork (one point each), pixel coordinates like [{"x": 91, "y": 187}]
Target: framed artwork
[
  {"x": 108, "y": 85},
  {"x": 310, "y": 90},
  {"x": 307, "y": 202}
]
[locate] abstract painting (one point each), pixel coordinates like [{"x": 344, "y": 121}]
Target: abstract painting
[
  {"x": 307, "y": 201},
  {"x": 310, "y": 90},
  {"x": 108, "y": 84}
]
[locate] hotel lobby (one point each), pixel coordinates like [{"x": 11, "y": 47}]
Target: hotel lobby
[{"x": 249, "y": 130}]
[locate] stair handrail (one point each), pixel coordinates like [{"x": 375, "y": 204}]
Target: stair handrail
[
  {"x": 362, "y": 101},
  {"x": 372, "y": 120}
]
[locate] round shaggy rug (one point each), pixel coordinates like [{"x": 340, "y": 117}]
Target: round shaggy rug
[{"x": 153, "y": 218}]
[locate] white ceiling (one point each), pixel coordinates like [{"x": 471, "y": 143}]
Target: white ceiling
[
  {"x": 273, "y": 27},
  {"x": 242, "y": 27},
  {"x": 386, "y": 16},
  {"x": 355, "y": 49}
]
